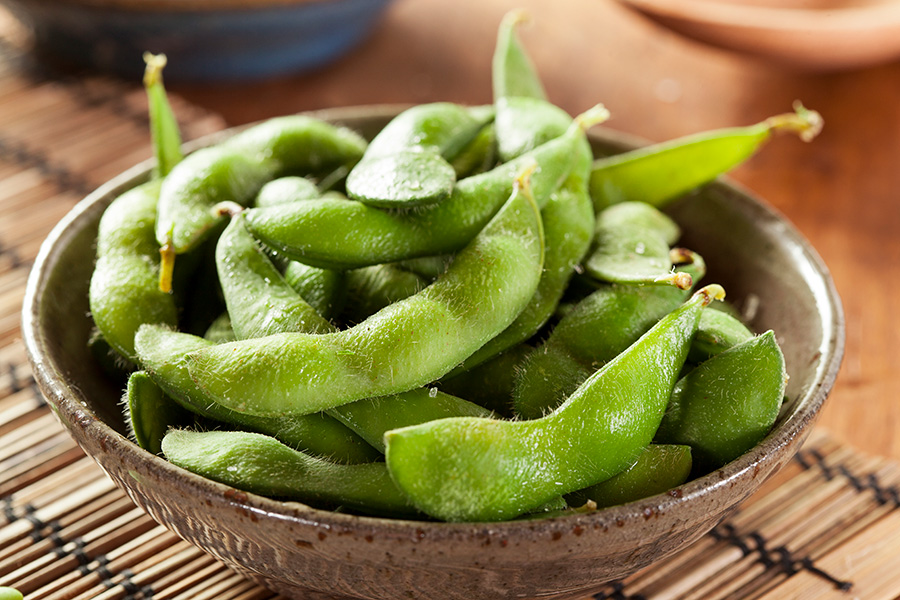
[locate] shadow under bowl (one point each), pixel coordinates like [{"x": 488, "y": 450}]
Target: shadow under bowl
[{"x": 309, "y": 553}]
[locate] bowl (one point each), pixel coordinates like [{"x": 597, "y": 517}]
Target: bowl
[
  {"x": 808, "y": 35},
  {"x": 205, "y": 40},
  {"x": 304, "y": 552}
]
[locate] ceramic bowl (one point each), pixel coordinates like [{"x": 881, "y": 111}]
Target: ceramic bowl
[
  {"x": 813, "y": 35},
  {"x": 307, "y": 553},
  {"x": 204, "y": 39}
]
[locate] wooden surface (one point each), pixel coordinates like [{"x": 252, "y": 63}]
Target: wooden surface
[{"x": 842, "y": 191}]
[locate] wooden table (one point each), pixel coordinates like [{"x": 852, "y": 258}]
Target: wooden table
[{"x": 842, "y": 191}]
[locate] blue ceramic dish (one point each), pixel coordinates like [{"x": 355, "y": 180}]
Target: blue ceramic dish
[{"x": 204, "y": 40}]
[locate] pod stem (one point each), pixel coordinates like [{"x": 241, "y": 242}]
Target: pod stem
[
  {"x": 807, "y": 124},
  {"x": 593, "y": 116},
  {"x": 166, "y": 265},
  {"x": 683, "y": 281},
  {"x": 227, "y": 208},
  {"x": 163, "y": 125},
  {"x": 711, "y": 292}
]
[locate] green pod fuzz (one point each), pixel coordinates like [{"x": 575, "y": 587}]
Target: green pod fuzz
[
  {"x": 163, "y": 355},
  {"x": 591, "y": 334},
  {"x": 659, "y": 173},
  {"x": 124, "y": 291},
  {"x": 472, "y": 469},
  {"x": 408, "y": 163},
  {"x": 323, "y": 289},
  {"x": 631, "y": 245},
  {"x": 726, "y": 405},
  {"x": 262, "y": 465},
  {"x": 150, "y": 413},
  {"x": 259, "y": 300},
  {"x": 404, "y": 346},
  {"x": 659, "y": 468},
  {"x": 372, "y": 417}
]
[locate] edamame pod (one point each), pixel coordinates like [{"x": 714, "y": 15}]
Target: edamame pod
[
  {"x": 491, "y": 383},
  {"x": 236, "y": 169},
  {"x": 659, "y": 173},
  {"x": 403, "y": 346},
  {"x": 291, "y": 188},
  {"x": 407, "y": 163},
  {"x": 372, "y": 417},
  {"x": 590, "y": 335},
  {"x": 259, "y": 300},
  {"x": 372, "y": 236},
  {"x": 726, "y": 405},
  {"x": 150, "y": 413},
  {"x": 262, "y": 465},
  {"x": 323, "y": 289},
  {"x": 718, "y": 331},
  {"x": 659, "y": 468},
  {"x": 163, "y": 125},
  {"x": 163, "y": 355},
  {"x": 631, "y": 245},
  {"x": 124, "y": 291},
  {"x": 471, "y": 469},
  {"x": 512, "y": 71}
]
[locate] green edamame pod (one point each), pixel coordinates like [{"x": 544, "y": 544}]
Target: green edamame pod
[
  {"x": 594, "y": 332},
  {"x": 371, "y": 236},
  {"x": 259, "y": 300},
  {"x": 163, "y": 355},
  {"x": 236, "y": 169},
  {"x": 124, "y": 291},
  {"x": 262, "y": 465},
  {"x": 717, "y": 332},
  {"x": 479, "y": 156},
  {"x": 662, "y": 172},
  {"x": 659, "y": 468},
  {"x": 726, "y": 405},
  {"x": 323, "y": 289},
  {"x": 372, "y": 417},
  {"x": 150, "y": 413},
  {"x": 512, "y": 71},
  {"x": 631, "y": 245},
  {"x": 404, "y": 346},
  {"x": 291, "y": 188},
  {"x": 471, "y": 469},
  {"x": 163, "y": 125},
  {"x": 407, "y": 163},
  {"x": 9, "y": 593},
  {"x": 370, "y": 289}
]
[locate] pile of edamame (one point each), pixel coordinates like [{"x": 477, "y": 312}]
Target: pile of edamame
[{"x": 467, "y": 318}]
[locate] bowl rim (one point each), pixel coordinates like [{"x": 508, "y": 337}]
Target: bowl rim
[{"x": 65, "y": 398}]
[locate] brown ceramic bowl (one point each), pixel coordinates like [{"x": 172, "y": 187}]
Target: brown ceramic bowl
[{"x": 309, "y": 553}]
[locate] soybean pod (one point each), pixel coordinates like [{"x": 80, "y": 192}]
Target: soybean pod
[
  {"x": 472, "y": 469},
  {"x": 659, "y": 173},
  {"x": 260, "y": 464},
  {"x": 163, "y": 354},
  {"x": 408, "y": 163}
]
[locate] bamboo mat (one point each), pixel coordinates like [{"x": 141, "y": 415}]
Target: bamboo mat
[{"x": 827, "y": 526}]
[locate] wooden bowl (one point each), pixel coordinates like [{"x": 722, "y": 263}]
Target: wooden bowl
[
  {"x": 205, "y": 40},
  {"x": 307, "y": 553}
]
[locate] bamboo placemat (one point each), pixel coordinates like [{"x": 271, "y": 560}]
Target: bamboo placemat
[{"x": 827, "y": 526}]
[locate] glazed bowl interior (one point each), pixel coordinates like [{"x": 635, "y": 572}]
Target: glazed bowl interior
[{"x": 768, "y": 270}]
